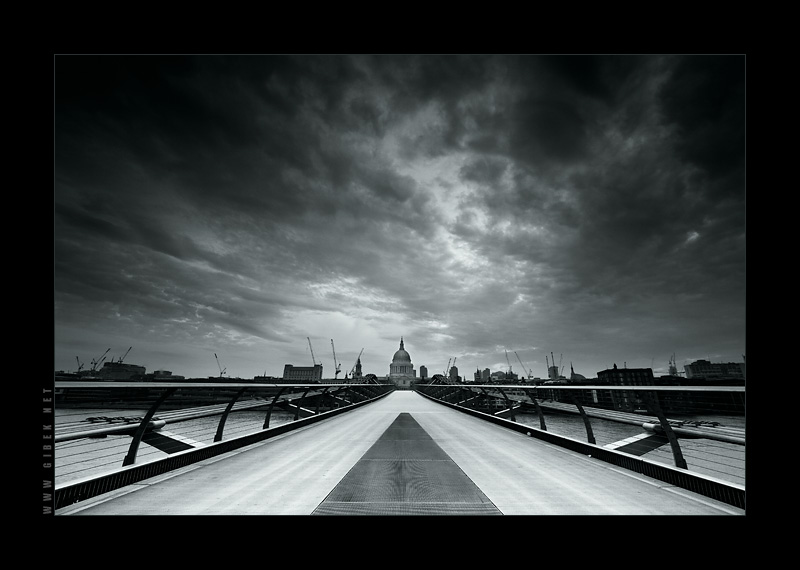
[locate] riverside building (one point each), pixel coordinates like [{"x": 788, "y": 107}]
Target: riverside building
[
  {"x": 710, "y": 370},
  {"x": 302, "y": 373}
]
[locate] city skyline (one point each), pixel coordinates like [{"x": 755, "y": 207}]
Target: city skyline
[{"x": 230, "y": 208}]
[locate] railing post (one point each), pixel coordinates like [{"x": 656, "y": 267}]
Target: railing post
[
  {"x": 539, "y": 412},
  {"x": 471, "y": 395},
  {"x": 454, "y": 392},
  {"x": 339, "y": 395},
  {"x": 319, "y": 400},
  {"x": 586, "y": 422},
  {"x": 130, "y": 458},
  {"x": 509, "y": 406},
  {"x": 680, "y": 462},
  {"x": 272, "y": 405},
  {"x": 485, "y": 399},
  {"x": 224, "y": 418},
  {"x": 297, "y": 407}
]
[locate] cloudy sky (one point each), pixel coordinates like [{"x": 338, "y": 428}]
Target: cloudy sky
[{"x": 592, "y": 207}]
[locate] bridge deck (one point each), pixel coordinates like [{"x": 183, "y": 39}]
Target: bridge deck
[{"x": 402, "y": 454}]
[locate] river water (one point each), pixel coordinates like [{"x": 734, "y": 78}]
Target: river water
[{"x": 91, "y": 457}]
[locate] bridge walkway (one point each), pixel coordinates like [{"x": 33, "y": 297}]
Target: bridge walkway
[{"x": 403, "y": 454}]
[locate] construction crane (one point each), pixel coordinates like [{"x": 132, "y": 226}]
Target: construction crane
[
  {"x": 121, "y": 358},
  {"x": 80, "y": 364},
  {"x": 524, "y": 368},
  {"x": 337, "y": 366},
  {"x": 673, "y": 366},
  {"x": 221, "y": 369},
  {"x": 312, "y": 352},
  {"x": 559, "y": 369},
  {"x": 447, "y": 369},
  {"x": 96, "y": 363}
]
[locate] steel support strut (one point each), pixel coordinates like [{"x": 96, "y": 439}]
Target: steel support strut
[
  {"x": 297, "y": 406},
  {"x": 652, "y": 398},
  {"x": 320, "y": 398},
  {"x": 272, "y": 405},
  {"x": 539, "y": 412},
  {"x": 130, "y": 459},
  {"x": 509, "y": 405},
  {"x": 486, "y": 399},
  {"x": 586, "y": 422},
  {"x": 224, "y": 418},
  {"x": 340, "y": 394}
]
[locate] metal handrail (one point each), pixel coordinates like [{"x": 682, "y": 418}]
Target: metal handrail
[
  {"x": 656, "y": 421},
  {"x": 140, "y": 427},
  {"x": 672, "y": 430}
]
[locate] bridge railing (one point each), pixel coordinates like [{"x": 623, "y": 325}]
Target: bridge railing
[
  {"x": 691, "y": 421},
  {"x": 100, "y": 426}
]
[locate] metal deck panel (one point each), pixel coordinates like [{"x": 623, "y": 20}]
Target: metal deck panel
[
  {"x": 406, "y": 472},
  {"x": 294, "y": 473}
]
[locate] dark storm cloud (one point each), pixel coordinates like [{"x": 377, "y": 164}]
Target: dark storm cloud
[
  {"x": 239, "y": 158},
  {"x": 191, "y": 123},
  {"x": 558, "y": 129},
  {"x": 460, "y": 193},
  {"x": 483, "y": 170},
  {"x": 629, "y": 198},
  {"x": 705, "y": 99},
  {"x": 632, "y": 218}
]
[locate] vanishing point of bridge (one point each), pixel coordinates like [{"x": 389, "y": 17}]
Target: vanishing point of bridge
[{"x": 371, "y": 450}]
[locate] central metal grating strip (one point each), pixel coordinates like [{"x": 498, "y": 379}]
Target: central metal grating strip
[{"x": 406, "y": 473}]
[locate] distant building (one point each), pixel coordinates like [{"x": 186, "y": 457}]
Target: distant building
[
  {"x": 627, "y": 376},
  {"x": 357, "y": 373},
  {"x": 574, "y": 377},
  {"x": 423, "y": 372},
  {"x": 266, "y": 379},
  {"x": 164, "y": 375},
  {"x": 486, "y": 375},
  {"x": 708, "y": 370},
  {"x": 121, "y": 371},
  {"x": 498, "y": 376},
  {"x": 302, "y": 374},
  {"x": 453, "y": 374}
]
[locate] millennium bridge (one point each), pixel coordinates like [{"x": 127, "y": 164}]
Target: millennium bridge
[{"x": 125, "y": 448}]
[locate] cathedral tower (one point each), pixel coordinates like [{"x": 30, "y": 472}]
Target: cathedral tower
[{"x": 401, "y": 371}]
